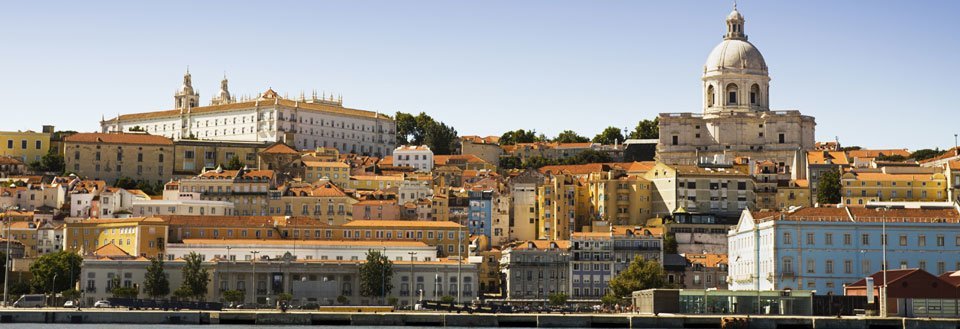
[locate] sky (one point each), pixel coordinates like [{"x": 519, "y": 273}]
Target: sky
[{"x": 874, "y": 73}]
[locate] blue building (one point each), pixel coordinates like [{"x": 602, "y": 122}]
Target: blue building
[
  {"x": 591, "y": 265},
  {"x": 823, "y": 249},
  {"x": 480, "y": 212}
]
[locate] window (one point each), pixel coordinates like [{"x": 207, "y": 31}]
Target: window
[
  {"x": 810, "y": 239},
  {"x": 39, "y": 145},
  {"x": 787, "y": 239},
  {"x": 782, "y": 138},
  {"x": 865, "y": 239},
  {"x": 921, "y": 240},
  {"x": 848, "y": 266},
  {"x": 940, "y": 241},
  {"x": 676, "y": 140},
  {"x": 787, "y": 265},
  {"x": 828, "y": 239},
  {"x": 847, "y": 239},
  {"x": 828, "y": 267},
  {"x": 903, "y": 240},
  {"x": 811, "y": 266}
]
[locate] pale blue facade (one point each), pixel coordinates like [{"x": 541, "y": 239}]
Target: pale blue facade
[
  {"x": 824, "y": 249},
  {"x": 480, "y": 212}
]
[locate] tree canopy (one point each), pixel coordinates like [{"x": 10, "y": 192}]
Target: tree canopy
[
  {"x": 234, "y": 164},
  {"x": 611, "y": 135},
  {"x": 536, "y": 162},
  {"x": 195, "y": 278},
  {"x": 828, "y": 187},
  {"x": 51, "y": 162},
  {"x": 63, "y": 265},
  {"x": 375, "y": 275},
  {"x": 519, "y": 136},
  {"x": 570, "y": 136},
  {"x": 424, "y": 130},
  {"x": 641, "y": 274},
  {"x": 924, "y": 154},
  {"x": 647, "y": 129},
  {"x": 156, "y": 283}
]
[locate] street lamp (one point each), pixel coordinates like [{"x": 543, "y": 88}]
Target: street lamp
[
  {"x": 228, "y": 252},
  {"x": 253, "y": 282},
  {"x": 883, "y": 243},
  {"x": 53, "y": 286},
  {"x": 6, "y": 256}
]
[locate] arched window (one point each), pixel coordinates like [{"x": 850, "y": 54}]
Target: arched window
[
  {"x": 710, "y": 96},
  {"x": 754, "y": 94},
  {"x": 732, "y": 94}
]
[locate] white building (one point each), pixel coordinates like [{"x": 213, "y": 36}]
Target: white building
[
  {"x": 411, "y": 191},
  {"x": 182, "y": 207},
  {"x": 824, "y": 248},
  {"x": 240, "y": 249},
  {"x": 305, "y": 123},
  {"x": 417, "y": 157},
  {"x": 736, "y": 119}
]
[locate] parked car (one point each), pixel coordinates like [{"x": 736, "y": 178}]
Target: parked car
[
  {"x": 30, "y": 301},
  {"x": 102, "y": 304},
  {"x": 70, "y": 303}
]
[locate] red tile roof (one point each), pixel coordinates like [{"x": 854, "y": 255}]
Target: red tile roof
[{"x": 118, "y": 138}]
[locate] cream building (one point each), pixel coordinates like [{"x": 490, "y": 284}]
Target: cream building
[
  {"x": 28, "y": 146},
  {"x": 304, "y": 123},
  {"x": 246, "y": 189},
  {"x": 419, "y": 157},
  {"x": 109, "y": 157},
  {"x": 736, "y": 119}
]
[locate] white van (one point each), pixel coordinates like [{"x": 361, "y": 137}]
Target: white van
[{"x": 30, "y": 301}]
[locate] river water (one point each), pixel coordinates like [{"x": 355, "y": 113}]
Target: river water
[{"x": 182, "y": 326}]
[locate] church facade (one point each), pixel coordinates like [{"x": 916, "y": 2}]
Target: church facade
[
  {"x": 736, "y": 119},
  {"x": 304, "y": 123}
]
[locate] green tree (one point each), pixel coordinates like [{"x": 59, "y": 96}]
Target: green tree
[
  {"x": 519, "y": 136},
  {"x": 609, "y": 300},
  {"x": 120, "y": 291},
  {"x": 588, "y": 156},
  {"x": 156, "y": 283},
  {"x": 342, "y": 300},
  {"x": 234, "y": 164},
  {"x": 71, "y": 294},
  {"x": 511, "y": 162},
  {"x": 50, "y": 162},
  {"x": 557, "y": 299},
  {"x": 136, "y": 128},
  {"x": 828, "y": 187},
  {"x": 233, "y": 296},
  {"x": 537, "y": 162},
  {"x": 375, "y": 275},
  {"x": 570, "y": 136},
  {"x": 647, "y": 129},
  {"x": 284, "y": 297},
  {"x": 610, "y": 135},
  {"x": 924, "y": 154},
  {"x": 447, "y": 299},
  {"x": 125, "y": 183},
  {"x": 891, "y": 158},
  {"x": 641, "y": 274},
  {"x": 195, "y": 277},
  {"x": 424, "y": 130},
  {"x": 670, "y": 243},
  {"x": 55, "y": 270}
]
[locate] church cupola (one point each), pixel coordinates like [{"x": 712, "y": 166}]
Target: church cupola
[
  {"x": 223, "y": 97},
  {"x": 735, "y": 26},
  {"x": 186, "y": 97}
]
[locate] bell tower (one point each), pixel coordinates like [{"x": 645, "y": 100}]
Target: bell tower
[{"x": 185, "y": 97}]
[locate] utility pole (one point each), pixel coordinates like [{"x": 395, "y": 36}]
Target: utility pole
[
  {"x": 253, "y": 282},
  {"x": 413, "y": 295}
]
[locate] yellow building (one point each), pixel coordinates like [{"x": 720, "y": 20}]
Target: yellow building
[
  {"x": 619, "y": 199},
  {"x": 794, "y": 193},
  {"x": 564, "y": 203},
  {"x": 28, "y": 146},
  {"x": 191, "y": 156},
  {"x": 336, "y": 171},
  {"x": 140, "y": 236},
  {"x": 859, "y": 188},
  {"x": 110, "y": 156},
  {"x": 440, "y": 234},
  {"x": 325, "y": 202},
  {"x": 374, "y": 182}
]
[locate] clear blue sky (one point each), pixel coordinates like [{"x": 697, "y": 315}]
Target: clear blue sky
[{"x": 874, "y": 73}]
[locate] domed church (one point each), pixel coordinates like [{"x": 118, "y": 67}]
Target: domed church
[{"x": 736, "y": 120}]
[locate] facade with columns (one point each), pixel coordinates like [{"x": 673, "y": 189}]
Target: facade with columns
[
  {"x": 303, "y": 122},
  {"x": 736, "y": 120}
]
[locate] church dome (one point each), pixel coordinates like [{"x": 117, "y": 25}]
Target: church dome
[
  {"x": 734, "y": 15},
  {"x": 737, "y": 55}
]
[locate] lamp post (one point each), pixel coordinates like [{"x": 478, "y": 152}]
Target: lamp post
[
  {"x": 383, "y": 277},
  {"x": 413, "y": 297},
  {"x": 253, "y": 282},
  {"x": 228, "y": 252},
  {"x": 883, "y": 243},
  {"x": 459, "y": 262},
  {"x": 53, "y": 286}
]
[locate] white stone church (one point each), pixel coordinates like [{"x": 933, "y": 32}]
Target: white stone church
[
  {"x": 304, "y": 122},
  {"x": 736, "y": 120}
]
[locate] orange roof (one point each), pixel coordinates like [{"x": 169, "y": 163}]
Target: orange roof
[
  {"x": 440, "y": 160},
  {"x": 582, "y": 169},
  {"x": 118, "y": 138},
  {"x": 622, "y": 230},
  {"x": 121, "y": 220},
  {"x": 821, "y": 157},
  {"x": 641, "y": 166},
  {"x": 954, "y": 165},
  {"x": 877, "y": 176},
  {"x": 280, "y": 148},
  {"x": 277, "y": 242},
  {"x": 110, "y": 250},
  {"x": 584, "y": 235},
  {"x": 802, "y": 183},
  {"x": 876, "y": 153},
  {"x": 707, "y": 260},
  {"x": 326, "y": 190},
  {"x": 863, "y": 215},
  {"x": 401, "y": 224},
  {"x": 319, "y": 107},
  {"x": 376, "y": 177},
  {"x": 952, "y": 152},
  {"x": 325, "y": 164},
  {"x": 10, "y": 161},
  {"x": 231, "y": 174},
  {"x": 241, "y": 221},
  {"x": 481, "y": 140}
]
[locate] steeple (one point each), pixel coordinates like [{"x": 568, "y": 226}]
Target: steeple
[
  {"x": 186, "y": 97},
  {"x": 223, "y": 97},
  {"x": 735, "y": 25}
]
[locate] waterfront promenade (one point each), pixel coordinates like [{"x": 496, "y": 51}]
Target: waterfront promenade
[{"x": 426, "y": 319}]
